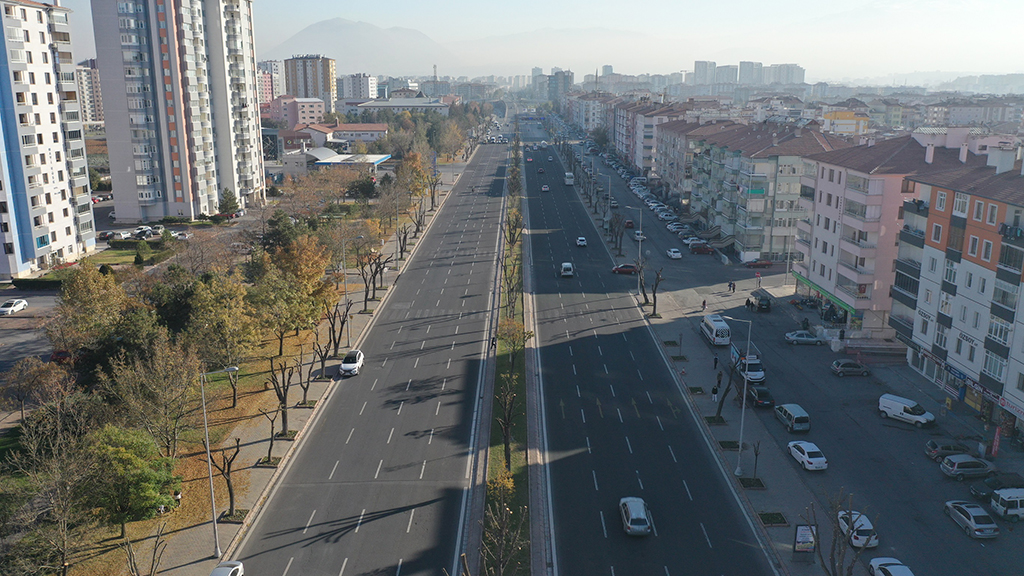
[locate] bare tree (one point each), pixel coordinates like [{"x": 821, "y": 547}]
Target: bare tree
[
  {"x": 272, "y": 418},
  {"x": 321, "y": 351},
  {"x": 433, "y": 182},
  {"x": 305, "y": 371},
  {"x": 654, "y": 291},
  {"x": 224, "y": 467},
  {"x": 508, "y": 405},
  {"x": 513, "y": 230},
  {"x": 419, "y": 217},
  {"x": 337, "y": 317},
  {"x": 641, "y": 265},
  {"x": 402, "y": 235},
  {"x": 378, "y": 265},
  {"x": 159, "y": 545},
  {"x": 840, "y": 548},
  {"x": 618, "y": 230},
  {"x": 26, "y": 379},
  {"x": 281, "y": 380}
]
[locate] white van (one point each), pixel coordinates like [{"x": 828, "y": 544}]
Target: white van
[
  {"x": 794, "y": 417},
  {"x": 567, "y": 270},
  {"x": 891, "y": 406},
  {"x": 716, "y": 330},
  {"x": 1008, "y": 503}
]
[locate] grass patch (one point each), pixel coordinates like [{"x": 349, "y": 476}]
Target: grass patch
[
  {"x": 113, "y": 257},
  {"x": 237, "y": 518},
  {"x": 752, "y": 483},
  {"x": 264, "y": 463},
  {"x": 771, "y": 519},
  {"x": 731, "y": 445},
  {"x": 679, "y": 358},
  {"x": 670, "y": 343},
  {"x": 696, "y": 390},
  {"x": 715, "y": 420}
]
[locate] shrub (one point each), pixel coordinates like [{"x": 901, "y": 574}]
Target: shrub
[
  {"x": 218, "y": 219},
  {"x": 106, "y": 269}
]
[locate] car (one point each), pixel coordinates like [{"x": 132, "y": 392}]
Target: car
[
  {"x": 545, "y": 188},
  {"x": 983, "y": 490},
  {"x": 528, "y": 159},
  {"x": 675, "y": 226},
  {"x": 636, "y": 516},
  {"x": 974, "y": 520},
  {"x": 581, "y": 241},
  {"x": 183, "y": 235},
  {"x": 628, "y": 224},
  {"x": 143, "y": 234},
  {"x": 352, "y": 363},
  {"x": 803, "y": 337},
  {"x": 764, "y": 304},
  {"x": 228, "y": 569},
  {"x": 808, "y": 455},
  {"x": 625, "y": 269},
  {"x": 701, "y": 249},
  {"x": 13, "y": 307},
  {"x": 139, "y": 229},
  {"x": 158, "y": 229},
  {"x": 886, "y": 566},
  {"x": 691, "y": 240},
  {"x": 540, "y": 170},
  {"x": 613, "y": 204},
  {"x": 938, "y": 448},
  {"x": 758, "y": 264},
  {"x": 105, "y": 235},
  {"x": 551, "y": 159},
  {"x": 639, "y": 236},
  {"x": 962, "y": 466},
  {"x": 843, "y": 367},
  {"x": 760, "y": 396},
  {"x": 665, "y": 216},
  {"x": 112, "y": 215},
  {"x": 674, "y": 253},
  {"x": 858, "y": 528}
]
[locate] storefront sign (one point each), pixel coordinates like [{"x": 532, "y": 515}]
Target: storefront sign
[
  {"x": 1010, "y": 407},
  {"x": 805, "y": 542}
]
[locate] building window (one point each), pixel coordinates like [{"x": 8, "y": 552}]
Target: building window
[
  {"x": 960, "y": 203},
  {"x": 924, "y": 327},
  {"x": 931, "y": 265},
  {"x": 1020, "y": 382},
  {"x": 963, "y": 313},
  {"x": 999, "y": 330},
  {"x": 936, "y": 232},
  {"x": 986, "y": 250},
  {"x": 950, "y": 273},
  {"x": 946, "y": 304},
  {"x": 927, "y": 296},
  {"x": 940, "y": 336},
  {"x": 993, "y": 212},
  {"x": 977, "y": 319},
  {"x": 979, "y": 210},
  {"x": 970, "y": 279},
  {"x": 972, "y": 246},
  {"x": 981, "y": 286},
  {"x": 1005, "y": 294},
  {"x": 994, "y": 365},
  {"x": 959, "y": 347},
  {"x": 940, "y": 201},
  {"x": 1012, "y": 258},
  {"x": 970, "y": 353}
]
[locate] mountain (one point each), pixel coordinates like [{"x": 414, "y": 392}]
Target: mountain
[{"x": 363, "y": 47}]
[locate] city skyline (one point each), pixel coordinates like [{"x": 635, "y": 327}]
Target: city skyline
[{"x": 831, "y": 43}]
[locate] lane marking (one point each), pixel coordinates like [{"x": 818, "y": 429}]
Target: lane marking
[
  {"x": 659, "y": 423},
  {"x": 613, "y": 390},
  {"x": 649, "y": 397},
  {"x": 604, "y": 528},
  {"x": 583, "y": 415},
  {"x": 393, "y": 345},
  {"x": 599, "y": 352},
  {"x": 453, "y": 345},
  {"x": 428, "y": 328},
  {"x": 390, "y": 435},
  {"x": 570, "y": 350},
  {"x": 639, "y": 480},
  {"x": 605, "y": 368},
  {"x": 308, "y": 521},
  {"x": 628, "y": 445},
  {"x": 349, "y": 435},
  {"x": 408, "y": 384},
  {"x": 385, "y": 363},
  {"x": 438, "y": 410},
  {"x": 374, "y": 384},
  {"x": 706, "y": 535},
  {"x": 624, "y": 340},
  {"x": 400, "y": 407},
  {"x": 422, "y": 344},
  {"x": 687, "y": 486},
  {"x": 574, "y": 370},
  {"x": 343, "y": 564},
  {"x": 363, "y": 408},
  {"x": 578, "y": 391},
  {"x": 423, "y": 469},
  {"x": 673, "y": 453},
  {"x": 333, "y": 469},
  {"x": 408, "y": 527},
  {"x": 589, "y": 451},
  {"x": 399, "y": 571},
  {"x": 287, "y": 566},
  {"x": 443, "y": 382},
  {"x": 620, "y": 416},
  {"x": 377, "y": 473},
  {"x": 431, "y": 437},
  {"x": 638, "y": 373},
  {"x": 596, "y": 489},
  {"x": 449, "y": 364},
  {"x": 631, "y": 356}
]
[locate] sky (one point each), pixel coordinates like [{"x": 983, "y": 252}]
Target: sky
[{"x": 833, "y": 41}]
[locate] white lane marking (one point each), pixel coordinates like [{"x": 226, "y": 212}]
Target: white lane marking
[
  {"x": 456, "y": 330},
  {"x": 620, "y": 415},
  {"x": 453, "y": 345},
  {"x": 438, "y": 305},
  {"x": 605, "y": 368},
  {"x": 649, "y": 397},
  {"x": 566, "y": 334},
  {"x": 659, "y": 423},
  {"x": 673, "y": 453},
  {"x": 390, "y": 435},
  {"x": 333, "y": 469},
  {"x": 613, "y": 390},
  {"x": 423, "y": 469},
  {"x": 449, "y": 364},
  {"x": 666, "y": 571},
  {"x": 363, "y": 408},
  {"x": 343, "y": 564},
  {"x": 687, "y": 486},
  {"x": 624, "y": 339},
  {"x": 287, "y": 566},
  {"x": 584, "y": 416},
  {"x": 431, "y": 437},
  {"x": 628, "y": 445},
  {"x": 443, "y": 383},
  {"x": 385, "y": 363},
  {"x": 631, "y": 356},
  {"x": 594, "y": 331},
  {"x": 417, "y": 362},
  {"x": 422, "y": 344},
  {"x": 377, "y": 473},
  {"x": 578, "y": 391},
  {"x": 570, "y": 350},
  {"x": 393, "y": 345},
  {"x": 604, "y": 527},
  {"x": 428, "y": 329},
  {"x": 639, "y": 374},
  {"x": 409, "y": 526},
  {"x": 574, "y": 370},
  {"x": 399, "y": 571},
  {"x": 408, "y": 384},
  {"x": 599, "y": 351},
  {"x": 639, "y": 480},
  {"x": 589, "y": 451},
  {"x": 349, "y": 435},
  {"x": 438, "y": 410},
  {"x": 706, "y": 535},
  {"x": 308, "y": 521},
  {"x": 374, "y": 383},
  {"x": 596, "y": 489},
  {"x": 400, "y": 407}
]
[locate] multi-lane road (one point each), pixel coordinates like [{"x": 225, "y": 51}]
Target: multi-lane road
[
  {"x": 381, "y": 482},
  {"x": 617, "y": 424}
]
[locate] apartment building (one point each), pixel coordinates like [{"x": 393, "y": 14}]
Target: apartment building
[
  {"x": 704, "y": 72},
  {"x": 274, "y": 69},
  {"x": 956, "y": 297},
  {"x": 636, "y": 125},
  {"x": 45, "y": 208},
  {"x": 674, "y": 163},
  {"x": 179, "y": 96},
  {"x": 751, "y": 73},
  {"x": 845, "y": 122},
  {"x": 90, "y": 96},
  {"x": 293, "y": 111},
  {"x": 312, "y": 76},
  {"x": 358, "y": 86}
]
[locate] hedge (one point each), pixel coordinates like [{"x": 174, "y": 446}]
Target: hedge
[
  {"x": 155, "y": 243},
  {"x": 37, "y": 283}
]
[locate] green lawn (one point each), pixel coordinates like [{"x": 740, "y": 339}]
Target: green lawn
[{"x": 113, "y": 257}]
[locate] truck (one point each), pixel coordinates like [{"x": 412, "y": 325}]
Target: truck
[{"x": 749, "y": 364}]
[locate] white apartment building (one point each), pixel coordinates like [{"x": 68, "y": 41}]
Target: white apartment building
[
  {"x": 45, "y": 208},
  {"x": 275, "y": 70},
  {"x": 357, "y": 86},
  {"x": 181, "y": 109},
  {"x": 90, "y": 96}
]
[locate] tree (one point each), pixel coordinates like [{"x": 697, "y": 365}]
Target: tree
[
  {"x": 509, "y": 409},
  {"x": 618, "y": 230},
  {"x": 281, "y": 380},
  {"x": 641, "y": 265},
  {"x": 132, "y": 479},
  {"x": 224, "y": 467},
  {"x": 658, "y": 278},
  {"x": 27, "y": 378},
  {"x": 228, "y": 202},
  {"x": 272, "y": 418},
  {"x": 89, "y": 307},
  {"x": 159, "y": 546},
  {"x": 600, "y": 136},
  {"x": 363, "y": 187},
  {"x": 279, "y": 303},
  {"x": 836, "y": 564},
  {"x": 504, "y": 536},
  {"x": 514, "y": 336}
]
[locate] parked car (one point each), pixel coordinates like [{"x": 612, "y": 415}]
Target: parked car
[
  {"x": 962, "y": 466},
  {"x": 758, "y": 264},
  {"x": 701, "y": 249},
  {"x": 886, "y": 566},
  {"x": 974, "y": 520},
  {"x": 858, "y": 528},
  {"x": 803, "y": 337},
  {"x": 938, "y": 448},
  {"x": 636, "y": 516},
  {"x": 625, "y": 269},
  {"x": 13, "y": 307},
  {"x": 581, "y": 241},
  {"x": 183, "y": 235},
  {"x": 760, "y": 396},
  {"x": 352, "y": 363},
  {"x": 808, "y": 455},
  {"x": 693, "y": 239},
  {"x": 105, "y": 235},
  {"x": 228, "y": 569},
  {"x": 983, "y": 490},
  {"x": 843, "y": 367},
  {"x": 674, "y": 253}
]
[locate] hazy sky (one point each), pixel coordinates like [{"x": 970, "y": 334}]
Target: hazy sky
[{"x": 832, "y": 40}]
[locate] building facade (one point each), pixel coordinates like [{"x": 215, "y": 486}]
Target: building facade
[
  {"x": 45, "y": 207},
  {"x": 312, "y": 76},
  {"x": 179, "y": 96},
  {"x": 293, "y": 111},
  {"x": 90, "y": 95},
  {"x": 274, "y": 71},
  {"x": 357, "y": 86}
]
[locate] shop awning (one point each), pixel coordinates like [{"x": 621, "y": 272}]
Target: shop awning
[{"x": 831, "y": 297}]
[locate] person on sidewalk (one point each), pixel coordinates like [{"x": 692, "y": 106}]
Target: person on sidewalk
[
  {"x": 704, "y": 305},
  {"x": 719, "y": 379},
  {"x": 714, "y": 393},
  {"x": 716, "y": 361},
  {"x": 747, "y": 305}
]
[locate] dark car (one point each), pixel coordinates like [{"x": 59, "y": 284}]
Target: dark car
[
  {"x": 540, "y": 170},
  {"x": 983, "y": 490},
  {"x": 758, "y": 264},
  {"x": 105, "y": 235},
  {"x": 939, "y": 448},
  {"x": 701, "y": 249},
  {"x": 760, "y": 396},
  {"x": 843, "y": 367},
  {"x": 764, "y": 304},
  {"x": 629, "y": 224},
  {"x": 143, "y": 234},
  {"x": 625, "y": 269}
]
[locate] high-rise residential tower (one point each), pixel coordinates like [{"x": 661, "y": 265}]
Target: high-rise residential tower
[
  {"x": 90, "y": 96},
  {"x": 312, "y": 76},
  {"x": 703, "y": 72},
  {"x": 45, "y": 209},
  {"x": 751, "y": 73},
  {"x": 275, "y": 69},
  {"x": 179, "y": 96}
]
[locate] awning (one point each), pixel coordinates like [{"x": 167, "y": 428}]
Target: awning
[{"x": 831, "y": 297}]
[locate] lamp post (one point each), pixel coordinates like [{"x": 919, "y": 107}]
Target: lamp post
[
  {"x": 639, "y": 244},
  {"x": 743, "y": 413},
  {"x": 344, "y": 275},
  {"x": 209, "y": 458}
]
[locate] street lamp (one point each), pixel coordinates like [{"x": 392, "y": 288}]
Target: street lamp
[
  {"x": 209, "y": 458},
  {"x": 344, "y": 275},
  {"x": 639, "y": 244},
  {"x": 743, "y": 413}
]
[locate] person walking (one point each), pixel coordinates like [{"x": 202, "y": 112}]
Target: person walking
[
  {"x": 719, "y": 378},
  {"x": 714, "y": 393},
  {"x": 716, "y": 362},
  {"x": 747, "y": 305},
  {"x": 758, "y": 274},
  {"x": 704, "y": 305}
]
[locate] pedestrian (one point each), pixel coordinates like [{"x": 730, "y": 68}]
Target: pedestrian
[
  {"x": 494, "y": 341},
  {"x": 733, "y": 287},
  {"x": 719, "y": 378},
  {"x": 704, "y": 305},
  {"x": 714, "y": 393},
  {"x": 747, "y": 305},
  {"x": 758, "y": 274},
  {"x": 716, "y": 362}
]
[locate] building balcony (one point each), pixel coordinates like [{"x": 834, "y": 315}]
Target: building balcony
[
  {"x": 856, "y": 274},
  {"x": 912, "y": 236},
  {"x": 909, "y": 267},
  {"x": 861, "y": 249},
  {"x": 862, "y": 223},
  {"x": 854, "y": 295},
  {"x": 903, "y": 297},
  {"x": 804, "y": 225},
  {"x": 902, "y": 325}
]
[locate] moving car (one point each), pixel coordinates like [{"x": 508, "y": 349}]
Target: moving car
[
  {"x": 886, "y": 566},
  {"x": 858, "y": 527},
  {"x": 974, "y": 520},
  {"x": 625, "y": 269},
  {"x": 760, "y": 396},
  {"x": 528, "y": 159},
  {"x": 581, "y": 241},
  {"x": 764, "y": 304},
  {"x": 551, "y": 159},
  {"x": 628, "y": 224},
  {"x": 758, "y": 264},
  {"x": 638, "y": 235},
  {"x": 13, "y": 307},
  {"x": 352, "y": 363},
  {"x": 808, "y": 455},
  {"x": 962, "y": 466},
  {"x": 567, "y": 270},
  {"x": 983, "y": 490},
  {"x": 803, "y": 337},
  {"x": 674, "y": 253},
  {"x": 545, "y": 188},
  {"x": 636, "y": 516},
  {"x": 540, "y": 170},
  {"x": 843, "y": 367},
  {"x": 228, "y": 569},
  {"x": 613, "y": 204}
]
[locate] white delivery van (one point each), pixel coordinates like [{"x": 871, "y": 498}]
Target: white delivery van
[
  {"x": 892, "y": 406},
  {"x": 567, "y": 270},
  {"x": 716, "y": 330}
]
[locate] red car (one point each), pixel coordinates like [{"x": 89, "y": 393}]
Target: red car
[
  {"x": 625, "y": 269},
  {"x": 540, "y": 171},
  {"x": 701, "y": 249},
  {"x": 629, "y": 223},
  {"x": 758, "y": 264}
]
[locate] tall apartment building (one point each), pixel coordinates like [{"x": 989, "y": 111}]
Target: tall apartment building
[
  {"x": 312, "y": 76},
  {"x": 606, "y": 70},
  {"x": 275, "y": 68},
  {"x": 359, "y": 86},
  {"x": 703, "y": 72},
  {"x": 783, "y": 74},
  {"x": 45, "y": 209},
  {"x": 957, "y": 294},
  {"x": 179, "y": 95},
  {"x": 90, "y": 96},
  {"x": 726, "y": 74},
  {"x": 751, "y": 73}
]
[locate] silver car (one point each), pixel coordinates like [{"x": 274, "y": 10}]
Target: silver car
[
  {"x": 636, "y": 516},
  {"x": 962, "y": 466},
  {"x": 803, "y": 337},
  {"x": 974, "y": 520}
]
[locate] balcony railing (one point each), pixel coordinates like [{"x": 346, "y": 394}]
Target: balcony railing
[
  {"x": 855, "y": 268},
  {"x": 854, "y": 291},
  {"x": 910, "y": 262}
]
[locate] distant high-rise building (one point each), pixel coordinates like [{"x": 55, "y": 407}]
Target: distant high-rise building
[
  {"x": 45, "y": 210},
  {"x": 357, "y": 86},
  {"x": 783, "y": 74},
  {"x": 703, "y": 72},
  {"x": 180, "y": 102},
  {"x": 555, "y": 70},
  {"x": 536, "y": 71},
  {"x": 606, "y": 70},
  {"x": 726, "y": 74},
  {"x": 559, "y": 84},
  {"x": 275, "y": 68},
  {"x": 675, "y": 78},
  {"x": 751, "y": 73},
  {"x": 311, "y": 76},
  {"x": 90, "y": 96}
]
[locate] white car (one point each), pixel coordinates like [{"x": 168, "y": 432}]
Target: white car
[
  {"x": 691, "y": 240},
  {"x": 545, "y": 188},
  {"x": 352, "y": 363},
  {"x": 972, "y": 518},
  {"x": 183, "y": 235},
  {"x": 636, "y": 516},
  {"x": 581, "y": 241},
  {"x": 858, "y": 527},
  {"x": 803, "y": 337},
  {"x": 808, "y": 455},
  {"x": 228, "y": 569},
  {"x": 142, "y": 229},
  {"x": 888, "y": 567},
  {"x": 675, "y": 226},
  {"x": 12, "y": 307},
  {"x": 674, "y": 253},
  {"x": 663, "y": 216}
]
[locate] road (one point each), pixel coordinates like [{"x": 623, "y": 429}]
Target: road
[
  {"x": 379, "y": 485},
  {"x": 617, "y": 423}
]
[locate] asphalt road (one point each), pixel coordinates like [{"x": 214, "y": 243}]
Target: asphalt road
[
  {"x": 880, "y": 462},
  {"x": 21, "y": 334},
  {"x": 379, "y": 485},
  {"x": 617, "y": 425}
]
